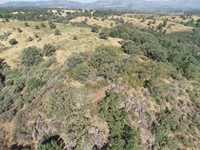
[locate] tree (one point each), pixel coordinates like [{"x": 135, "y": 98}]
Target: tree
[
  {"x": 48, "y": 50},
  {"x": 31, "y": 56},
  {"x": 13, "y": 42}
]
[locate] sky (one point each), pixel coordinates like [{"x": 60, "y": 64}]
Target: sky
[{"x": 85, "y": 1}]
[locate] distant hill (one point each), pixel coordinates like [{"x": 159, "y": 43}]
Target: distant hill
[{"x": 142, "y": 5}]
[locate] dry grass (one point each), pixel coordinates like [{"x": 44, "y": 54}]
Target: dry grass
[
  {"x": 98, "y": 21},
  {"x": 175, "y": 25},
  {"x": 87, "y": 41}
]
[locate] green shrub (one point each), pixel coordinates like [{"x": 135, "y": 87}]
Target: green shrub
[
  {"x": 53, "y": 145},
  {"x": 104, "y": 34},
  {"x": 95, "y": 28},
  {"x": 19, "y": 30},
  {"x": 37, "y": 27},
  {"x": 57, "y": 32},
  {"x": 154, "y": 51},
  {"x": 31, "y": 56},
  {"x": 33, "y": 83},
  {"x": 130, "y": 48},
  {"x": 30, "y": 39},
  {"x": 26, "y": 24},
  {"x": 48, "y": 50},
  {"x": 36, "y": 35},
  {"x": 74, "y": 60},
  {"x": 122, "y": 136},
  {"x": 81, "y": 72},
  {"x": 13, "y": 42},
  {"x": 52, "y": 25},
  {"x": 105, "y": 60},
  {"x": 167, "y": 121},
  {"x": 75, "y": 37},
  {"x": 42, "y": 25}
]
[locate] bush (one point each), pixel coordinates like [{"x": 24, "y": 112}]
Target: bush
[
  {"x": 75, "y": 37},
  {"x": 19, "y": 30},
  {"x": 42, "y": 25},
  {"x": 104, "y": 34},
  {"x": 13, "y": 42},
  {"x": 81, "y": 72},
  {"x": 154, "y": 51},
  {"x": 52, "y": 26},
  {"x": 95, "y": 28},
  {"x": 130, "y": 48},
  {"x": 48, "y": 50},
  {"x": 37, "y": 27},
  {"x": 36, "y": 35},
  {"x": 26, "y": 24},
  {"x": 57, "y": 32},
  {"x": 105, "y": 60},
  {"x": 74, "y": 60},
  {"x": 122, "y": 136},
  {"x": 31, "y": 56},
  {"x": 30, "y": 39},
  {"x": 33, "y": 83}
]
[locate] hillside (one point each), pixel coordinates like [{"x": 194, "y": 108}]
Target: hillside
[{"x": 99, "y": 80}]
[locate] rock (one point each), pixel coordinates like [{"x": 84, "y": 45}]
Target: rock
[
  {"x": 97, "y": 136},
  {"x": 34, "y": 134}
]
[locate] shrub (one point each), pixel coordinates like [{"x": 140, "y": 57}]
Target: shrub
[
  {"x": 26, "y": 24},
  {"x": 19, "y": 30},
  {"x": 130, "y": 47},
  {"x": 95, "y": 28},
  {"x": 30, "y": 39},
  {"x": 160, "y": 27},
  {"x": 37, "y": 27},
  {"x": 154, "y": 51},
  {"x": 165, "y": 23},
  {"x": 81, "y": 72},
  {"x": 52, "y": 26},
  {"x": 57, "y": 32},
  {"x": 122, "y": 136},
  {"x": 31, "y": 56},
  {"x": 75, "y": 37},
  {"x": 105, "y": 60},
  {"x": 42, "y": 25},
  {"x": 36, "y": 35},
  {"x": 74, "y": 60},
  {"x": 104, "y": 34},
  {"x": 48, "y": 50},
  {"x": 33, "y": 83},
  {"x": 13, "y": 42}
]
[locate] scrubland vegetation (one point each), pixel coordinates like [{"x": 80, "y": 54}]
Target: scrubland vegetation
[{"x": 70, "y": 84}]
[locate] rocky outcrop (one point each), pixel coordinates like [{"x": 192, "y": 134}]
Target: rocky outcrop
[
  {"x": 138, "y": 105},
  {"x": 43, "y": 128}
]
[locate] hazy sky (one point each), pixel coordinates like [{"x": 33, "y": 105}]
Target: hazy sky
[{"x": 3, "y": 1}]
